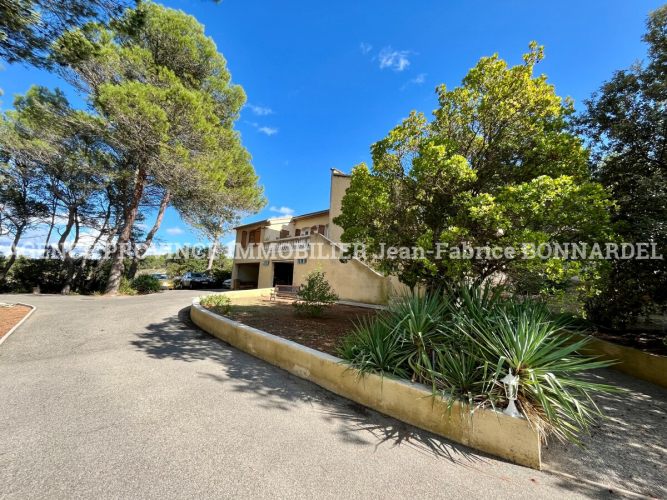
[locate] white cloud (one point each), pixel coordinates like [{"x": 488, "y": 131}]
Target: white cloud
[
  {"x": 253, "y": 124},
  {"x": 282, "y": 210},
  {"x": 260, "y": 110},
  {"x": 230, "y": 246},
  {"x": 365, "y": 47},
  {"x": 173, "y": 231},
  {"x": 268, "y": 130},
  {"x": 418, "y": 80},
  {"x": 395, "y": 59}
]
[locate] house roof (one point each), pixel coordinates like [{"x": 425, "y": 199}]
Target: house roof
[
  {"x": 278, "y": 219},
  {"x": 312, "y": 214},
  {"x": 335, "y": 171},
  {"x": 265, "y": 221}
]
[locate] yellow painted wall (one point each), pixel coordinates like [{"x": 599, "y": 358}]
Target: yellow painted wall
[
  {"x": 339, "y": 184},
  {"x": 351, "y": 280},
  {"x": 309, "y": 222},
  {"x": 643, "y": 365}
]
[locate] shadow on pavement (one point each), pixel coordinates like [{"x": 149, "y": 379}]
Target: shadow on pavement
[
  {"x": 277, "y": 390},
  {"x": 612, "y": 456}
]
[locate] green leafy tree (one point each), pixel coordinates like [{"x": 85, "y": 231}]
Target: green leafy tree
[
  {"x": 625, "y": 125},
  {"x": 496, "y": 167},
  {"x": 212, "y": 212},
  {"x": 315, "y": 294},
  {"x": 167, "y": 94},
  {"x": 20, "y": 205},
  {"x": 77, "y": 170}
]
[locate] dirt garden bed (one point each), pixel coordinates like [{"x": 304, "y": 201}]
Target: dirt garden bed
[
  {"x": 10, "y": 315},
  {"x": 278, "y": 318}
]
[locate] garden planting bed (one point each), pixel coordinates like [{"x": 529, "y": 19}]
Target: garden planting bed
[
  {"x": 495, "y": 433},
  {"x": 277, "y": 317}
]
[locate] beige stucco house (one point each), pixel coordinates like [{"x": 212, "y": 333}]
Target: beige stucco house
[{"x": 281, "y": 251}]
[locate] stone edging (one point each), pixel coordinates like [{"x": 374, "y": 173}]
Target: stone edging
[
  {"x": 32, "y": 310},
  {"x": 510, "y": 438}
]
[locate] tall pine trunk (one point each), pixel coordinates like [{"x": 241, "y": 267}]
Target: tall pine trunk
[
  {"x": 63, "y": 252},
  {"x": 12, "y": 259},
  {"x": 117, "y": 264},
  {"x": 139, "y": 252},
  {"x": 214, "y": 250},
  {"x": 69, "y": 261},
  {"x": 84, "y": 261},
  {"x": 52, "y": 224}
]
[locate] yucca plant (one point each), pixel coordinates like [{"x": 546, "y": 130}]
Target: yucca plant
[
  {"x": 476, "y": 298},
  {"x": 461, "y": 376},
  {"x": 374, "y": 347},
  {"x": 525, "y": 338},
  {"x": 416, "y": 318},
  {"x": 463, "y": 341}
]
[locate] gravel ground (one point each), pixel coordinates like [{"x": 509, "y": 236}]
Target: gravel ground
[{"x": 629, "y": 448}]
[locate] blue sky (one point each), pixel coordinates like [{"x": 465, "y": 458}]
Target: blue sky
[{"x": 325, "y": 80}]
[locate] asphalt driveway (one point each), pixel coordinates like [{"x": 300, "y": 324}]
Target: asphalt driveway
[{"x": 125, "y": 398}]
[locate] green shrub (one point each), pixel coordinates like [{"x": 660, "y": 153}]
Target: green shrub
[
  {"x": 315, "y": 295},
  {"x": 464, "y": 341},
  {"x": 219, "y": 303},
  {"x": 125, "y": 287},
  {"x": 219, "y": 275},
  {"x": 146, "y": 283}
]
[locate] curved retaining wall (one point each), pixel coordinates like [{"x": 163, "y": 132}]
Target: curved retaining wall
[
  {"x": 510, "y": 438},
  {"x": 639, "y": 364}
]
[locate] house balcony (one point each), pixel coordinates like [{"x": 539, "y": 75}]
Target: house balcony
[{"x": 287, "y": 246}]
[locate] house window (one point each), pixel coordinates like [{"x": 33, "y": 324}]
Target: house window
[
  {"x": 252, "y": 237},
  {"x": 304, "y": 232},
  {"x": 284, "y": 233},
  {"x": 297, "y": 232},
  {"x": 301, "y": 261}
]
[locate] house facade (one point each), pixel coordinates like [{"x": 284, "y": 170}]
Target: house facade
[{"x": 283, "y": 250}]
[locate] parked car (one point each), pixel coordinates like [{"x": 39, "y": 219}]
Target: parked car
[
  {"x": 196, "y": 280},
  {"x": 227, "y": 283},
  {"x": 165, "y": 281}
]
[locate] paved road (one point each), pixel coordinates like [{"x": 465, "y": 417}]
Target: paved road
[{"x": 125, "y": 398}]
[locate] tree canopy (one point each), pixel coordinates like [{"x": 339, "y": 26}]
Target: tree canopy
[
  {"x": 158, "y": 132},
  {"x": 167, "y": 96},
  {"x": 496, "y": 167},
  {"x": 624, "y": 123},
  {"x": 28, "y": 27}
]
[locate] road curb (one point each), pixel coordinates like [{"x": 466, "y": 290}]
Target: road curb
[{"x": 32, "y": 310}]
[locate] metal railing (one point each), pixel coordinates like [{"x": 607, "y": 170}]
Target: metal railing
[{"x": 288, "y": 245}]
